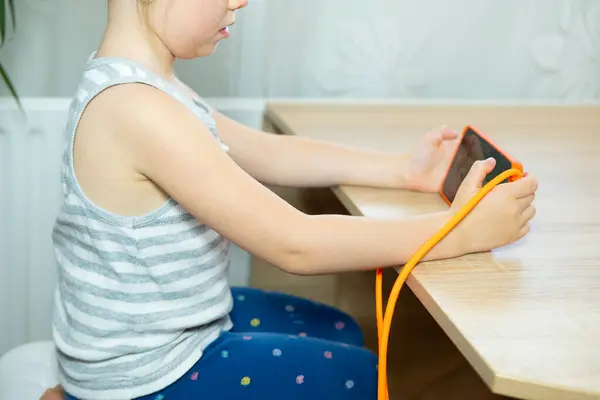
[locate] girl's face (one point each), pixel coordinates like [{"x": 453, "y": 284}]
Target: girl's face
[{"x": 193, "y": 28}]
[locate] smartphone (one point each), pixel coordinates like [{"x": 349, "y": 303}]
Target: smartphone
[{"x": 474, "y": 146}]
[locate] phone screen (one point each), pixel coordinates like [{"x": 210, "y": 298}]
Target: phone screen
[{"x": 472, "y": 148}]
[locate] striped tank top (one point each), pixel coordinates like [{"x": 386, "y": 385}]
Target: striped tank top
[{"x": 138, "y": 298}]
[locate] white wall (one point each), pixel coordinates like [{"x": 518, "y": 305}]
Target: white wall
[{"x": 542, "y": 49}]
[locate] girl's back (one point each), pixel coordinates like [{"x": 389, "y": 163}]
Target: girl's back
[{"x": 140, "y": 296}]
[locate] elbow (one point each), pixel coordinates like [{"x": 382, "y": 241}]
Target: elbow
[
  {"x": 299, "y": 256},
  {"x": 297, "y": 250},
  {"x": 298, "y": 263}
]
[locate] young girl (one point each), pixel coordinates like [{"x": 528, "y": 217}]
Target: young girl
[{"x": 156, "y": 184}]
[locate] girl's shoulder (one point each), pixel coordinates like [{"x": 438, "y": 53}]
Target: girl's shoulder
[{"x": 116, "y": 82}]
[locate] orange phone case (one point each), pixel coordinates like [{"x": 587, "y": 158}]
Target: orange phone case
[{"x": 514, "y": 163}]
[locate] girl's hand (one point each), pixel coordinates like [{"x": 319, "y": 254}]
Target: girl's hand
[
  {"x": 429, "y": 161},
  {"x": 501, "y": 217}
]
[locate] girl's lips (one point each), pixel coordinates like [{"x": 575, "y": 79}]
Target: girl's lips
[{"x": 224, "y": 31}]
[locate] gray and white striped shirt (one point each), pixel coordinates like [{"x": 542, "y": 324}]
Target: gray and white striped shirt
[{"x": 139, "y": 298}]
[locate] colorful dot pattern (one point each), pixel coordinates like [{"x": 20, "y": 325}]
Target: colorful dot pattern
[{"x": 247, "y": 380}]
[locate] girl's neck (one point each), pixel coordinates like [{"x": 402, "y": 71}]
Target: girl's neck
[{"x": 127, "y": 36}]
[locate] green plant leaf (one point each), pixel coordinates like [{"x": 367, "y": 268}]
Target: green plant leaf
[
  {"x": 10, "y": 86},
  {"x": 5, "y": 7},
  {"x": 2, "y": 22}
]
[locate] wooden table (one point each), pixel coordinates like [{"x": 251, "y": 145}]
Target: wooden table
[{"x": 527, "y": 316}]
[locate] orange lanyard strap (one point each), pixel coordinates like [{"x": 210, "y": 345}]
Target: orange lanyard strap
[{"x": 384, "y": 320}]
